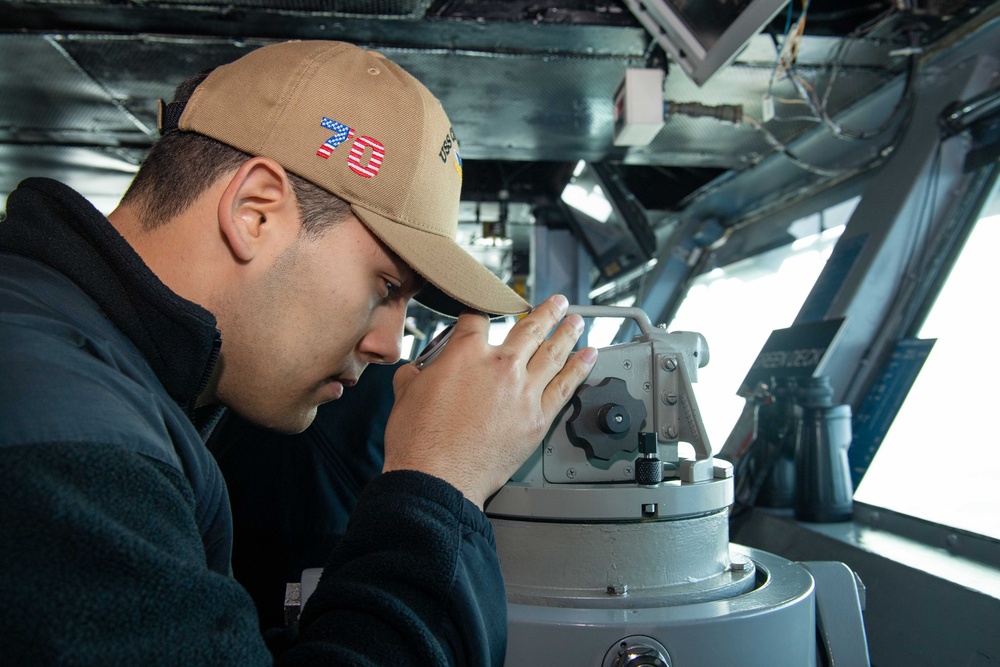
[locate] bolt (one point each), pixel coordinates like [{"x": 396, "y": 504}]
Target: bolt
[
  {"x": 571, "y": 472},
  {"x": 669, "y": 364},
  {"x": 740, "y": 565},
  {"x": 669, "y": 398},
  {"x": 627, "y": 364},
  {"x": 670, "y": 432},
  {"x": 952, "y": 540},
  {"x": 550, "y": 450},
  {"x": 617, "y": 589}
]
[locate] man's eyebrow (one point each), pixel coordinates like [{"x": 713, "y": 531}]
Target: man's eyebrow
[{"x": 414, "y": 284}]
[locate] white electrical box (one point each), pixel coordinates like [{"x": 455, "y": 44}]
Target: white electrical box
[{"x": 638, "y": 107}]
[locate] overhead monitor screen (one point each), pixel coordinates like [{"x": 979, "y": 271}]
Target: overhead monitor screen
[{"x": 707, "y": 21}]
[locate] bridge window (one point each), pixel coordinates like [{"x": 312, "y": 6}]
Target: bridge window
[
  {"x": 939, "y": 459},
  {"x": 737, "y": 306}
]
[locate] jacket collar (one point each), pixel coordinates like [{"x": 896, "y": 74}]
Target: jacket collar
[{"x": 53, "y": 224}]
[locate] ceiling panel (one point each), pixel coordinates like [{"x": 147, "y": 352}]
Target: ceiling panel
[{"x": 524, "y": 83}]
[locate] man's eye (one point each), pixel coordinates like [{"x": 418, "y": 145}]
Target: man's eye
[{"x": 391, "y": 290}]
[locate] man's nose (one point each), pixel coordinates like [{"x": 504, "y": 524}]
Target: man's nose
[{"x": 383, "y": 344}]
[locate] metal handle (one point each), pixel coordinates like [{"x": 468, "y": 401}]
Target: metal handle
[{"x": 637, "y": 314}]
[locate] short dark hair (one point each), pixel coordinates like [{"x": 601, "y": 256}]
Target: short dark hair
[{"x": 180, "y": 166}]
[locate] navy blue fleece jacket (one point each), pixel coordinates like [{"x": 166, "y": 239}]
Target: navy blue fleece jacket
[{"x": 115, "y": 528}]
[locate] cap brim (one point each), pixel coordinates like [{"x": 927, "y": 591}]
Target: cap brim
[{"x": 456, "y": 281}]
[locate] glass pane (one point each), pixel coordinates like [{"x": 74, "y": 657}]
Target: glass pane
[
  {"x": 940, "y": 458},
  {"x": 604, "y": 329},
  {"x": 737, "y": 306}
]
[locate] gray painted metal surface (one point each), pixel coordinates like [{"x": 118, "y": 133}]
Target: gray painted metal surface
[
  {"x": 601, "y": 502},
  {"x": 839, "y": 606},
  {"x": 773, "y": 624},
  {"x": 623, "y": 565}
]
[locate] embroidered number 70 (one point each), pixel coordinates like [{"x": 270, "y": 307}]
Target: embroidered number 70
[{"x": 358, "y": 151}]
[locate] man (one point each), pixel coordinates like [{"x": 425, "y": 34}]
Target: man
[{"x": 232, "y": 274}]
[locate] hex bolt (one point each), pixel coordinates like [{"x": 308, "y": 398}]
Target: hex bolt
[
  {"x": 670, "y": 432},
  {"x": 740, "y": 565},
  {"x": 617, "y": 589},
  {"x": 571, "y": 472}
]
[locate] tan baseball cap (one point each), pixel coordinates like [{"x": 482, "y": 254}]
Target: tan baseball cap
[{"x": 356, "y": 124}]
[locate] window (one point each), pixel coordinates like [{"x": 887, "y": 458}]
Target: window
[
  {"x": 737, "y": 306},
  {"x": 940, "y": 458},
  {"x": 603, "y": 330}
]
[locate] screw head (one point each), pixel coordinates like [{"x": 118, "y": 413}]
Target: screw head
[
  {"x": 669, "y": 398},
  {"x": 571, "y": 472}
]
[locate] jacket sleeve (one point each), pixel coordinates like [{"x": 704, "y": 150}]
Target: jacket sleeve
[
  {"x": 102, "y": 563},
  {"x": 415, "y": 581}
]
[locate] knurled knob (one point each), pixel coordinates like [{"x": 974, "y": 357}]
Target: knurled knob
[{"x": 648, "y": 471}]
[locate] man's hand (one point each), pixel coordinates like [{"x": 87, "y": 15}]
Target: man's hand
[{"x": 475, "y": 415}]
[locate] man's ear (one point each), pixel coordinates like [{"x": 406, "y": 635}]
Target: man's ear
[{"x": 257, "y": 199}]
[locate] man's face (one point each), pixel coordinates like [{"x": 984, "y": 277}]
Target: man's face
[{"x": 303, "y": 330}]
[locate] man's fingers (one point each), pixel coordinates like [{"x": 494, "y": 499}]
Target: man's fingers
[
  {"x": 402, "y": 378},
  {"x": 560, "y": 389},
  {"x": 551, "y": 355},
  {"x": 533, "y": 328},
  {"x": 469, "y": 324}
]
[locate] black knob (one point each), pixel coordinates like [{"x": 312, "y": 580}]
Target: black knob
[
  {"x": 605, "y": 419},
  {"x": 613, "y": 418},
  {"x": 648, "y": 471}
]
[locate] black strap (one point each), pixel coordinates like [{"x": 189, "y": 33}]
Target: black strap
[{"x": 170, "y": 116}]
